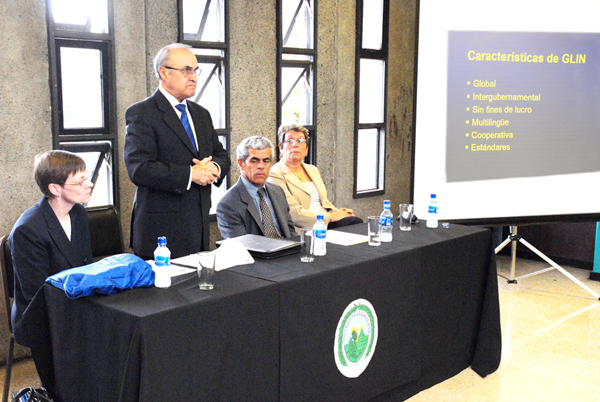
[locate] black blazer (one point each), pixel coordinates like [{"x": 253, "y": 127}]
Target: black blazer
[
  {"x": 158, "y": 154},
  {"x": 237, "y": 214},
  {"x": 40, "y": 248}
]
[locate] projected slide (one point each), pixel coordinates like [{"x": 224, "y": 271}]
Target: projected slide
[
  {"x": 507, "y": 117},
  {"x": 522, "y": 104}
]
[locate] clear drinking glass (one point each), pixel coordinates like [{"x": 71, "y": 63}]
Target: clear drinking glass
[
  {"x": 307, "y": 253},
  {"x": 374, "y": 231},
  {"x": 406, "y": 213},
  {"x": 206, "y": 269}
]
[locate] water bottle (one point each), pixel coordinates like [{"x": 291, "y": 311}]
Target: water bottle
[
  {"x": 386, "y": 221},
  {"x": 162, "y": 260},
  {"x": 162, "y": 255},
  {"x": 432, "y": 212},
  {"x": 319, "y": 234}
]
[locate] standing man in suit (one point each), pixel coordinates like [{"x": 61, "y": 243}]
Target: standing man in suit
[
  {"x": 253, "y": 206},
  {"x": 173, "y": 155}
]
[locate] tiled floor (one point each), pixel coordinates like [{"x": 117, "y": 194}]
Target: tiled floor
[
  {"x": 550, "y": 351},
  {"x": 550, "y": 343},
  {"x": 23, "y": 375}
]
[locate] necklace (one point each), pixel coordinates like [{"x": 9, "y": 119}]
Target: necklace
[{"x": 299, "y": 174}]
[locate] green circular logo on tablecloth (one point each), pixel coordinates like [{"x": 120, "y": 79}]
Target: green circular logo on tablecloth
[{"x": 355, "y": 338}]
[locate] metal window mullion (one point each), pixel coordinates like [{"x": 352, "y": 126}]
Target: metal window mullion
[
  {"x": 220, "y": 75},
  {"x": 307, "y": 80},
  {"x": 378, "y": 159},
  {"x": 209, "y": 59},
  {"x": 308, "y": 66},
  {"x": 86, "y": 137},
  {"x": 380, "y": 54},
  {"x": 104, "y": 150},
  {"x": 296, "y": 63},
  {"x": 366, "y": 126},
  {"x": 373, "y": 53},
  {"x": 104, "y": 43},
  {"x": 292, "y": 22},
  {"x": 298, "y": 50},
  {"x": 220, "y": 63},
  {"x": 103, "y": 155},
  {"x": 309, "y": 99},
  {"x": 83, "y": 36},
  {"x": 212, "y": 73},
  {"x": 196, "y": 44},
  {"x": 103, "y": 47},
  {"x": 310, "y": 28},
  {"x": 221, "y": 19},
  {"x": 287, "y": 95},
  {"x": 203, "y": 20},
  {"x": 357, "y": 51}
]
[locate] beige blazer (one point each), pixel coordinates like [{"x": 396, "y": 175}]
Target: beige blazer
[{"x": 297, "y": 197}]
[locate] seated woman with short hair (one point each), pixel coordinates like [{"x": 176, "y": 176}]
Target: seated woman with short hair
[
  {"x": 302, "y": 183},
  {"x": 54, "y": 234}
]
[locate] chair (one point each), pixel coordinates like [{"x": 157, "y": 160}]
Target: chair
[
  {"x": 105, "y": 230},
  {"x": 9, "y": 290}
]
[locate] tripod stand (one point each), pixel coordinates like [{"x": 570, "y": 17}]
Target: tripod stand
[{"x": 513, "y": 238}]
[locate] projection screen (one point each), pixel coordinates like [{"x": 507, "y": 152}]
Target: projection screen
[{"x": 507, "y": 123}]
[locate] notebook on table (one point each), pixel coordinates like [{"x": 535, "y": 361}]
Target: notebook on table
[{"x": 266, "y": 247}]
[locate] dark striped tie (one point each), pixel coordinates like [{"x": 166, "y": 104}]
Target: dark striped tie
[{"x": 267, "y": 218}]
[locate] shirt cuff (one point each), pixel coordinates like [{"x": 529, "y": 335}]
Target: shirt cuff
[{"x": 218, "y": 167}]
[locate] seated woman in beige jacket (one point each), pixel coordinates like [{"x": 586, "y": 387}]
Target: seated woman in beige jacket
[{"x": 302, "y": 183}]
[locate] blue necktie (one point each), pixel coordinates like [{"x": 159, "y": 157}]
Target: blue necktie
[{"x": 186, "y": 125}]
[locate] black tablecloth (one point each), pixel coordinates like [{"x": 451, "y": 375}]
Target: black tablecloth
[
  {"x": 436, "y": 297},
  {"x": 267, "y": 331},
  {"x": 150, "y": 344}
]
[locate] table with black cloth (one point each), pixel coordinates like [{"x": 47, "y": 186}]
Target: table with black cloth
[
  {"x": 435, "y": 293},
  {"x": 267, "y": 331},
  {"x": 152, "y": 344}
]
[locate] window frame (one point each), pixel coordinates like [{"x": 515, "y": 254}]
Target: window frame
[
  {"x": 105, "y": 43},
  {"x": 281, "y": 63},
  {"x": 103, "y": 48},
  {"x": 224, "y": 47},
  {"x": 374, "y": 54}
]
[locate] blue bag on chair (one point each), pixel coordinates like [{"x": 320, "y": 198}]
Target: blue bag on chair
[
  {"x": 30, "y": 394},
  {"x": 107, "y": 276}
]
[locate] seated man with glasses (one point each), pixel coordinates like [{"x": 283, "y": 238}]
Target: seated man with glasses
[
  {"x": 302, "y": 183},
  {"x": 253, "y": 206},
  {"x": 173, "y": 155}
]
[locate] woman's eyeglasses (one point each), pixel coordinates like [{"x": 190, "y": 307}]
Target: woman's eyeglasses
[
  {"x": 81, "y": 183},
  {"x": 293, "y": 142}
]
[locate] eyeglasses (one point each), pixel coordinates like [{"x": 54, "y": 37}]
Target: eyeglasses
[
  {"x": 293, "y": 142},
  {"x": 81, "y": 183},
  {"x": 187, "y": 71}
]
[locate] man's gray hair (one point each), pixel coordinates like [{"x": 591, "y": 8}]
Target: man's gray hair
[
  {"x": 163, "y": 55},
  {"x": 255, "y": 142}
]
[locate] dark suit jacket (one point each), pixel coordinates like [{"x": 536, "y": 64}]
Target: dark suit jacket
[
  {"x": 158, "y": 154},
  {"x": 40, "y": 248},
  {"x": 237, "y": 214}
]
